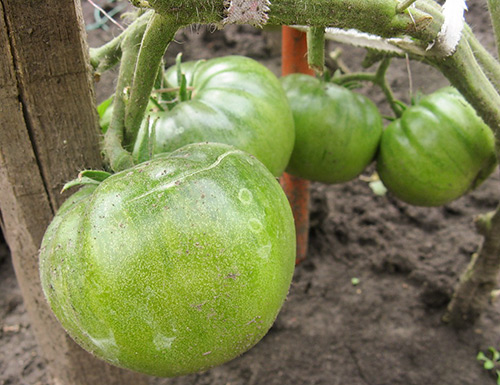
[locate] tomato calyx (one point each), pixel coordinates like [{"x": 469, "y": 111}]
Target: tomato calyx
[{"x": 87, "y": 177}]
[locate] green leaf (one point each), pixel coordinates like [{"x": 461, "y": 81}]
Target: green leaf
[
  {"x": 495, "y": 353},
  {"x": 498, "y": 377},
  {"x": 481, "y": 357},
  {"x": 488, "y": 364}
]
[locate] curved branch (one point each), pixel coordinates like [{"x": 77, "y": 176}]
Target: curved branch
[
  {"x": 108, "y": 55},
  {"x": 375, "y": 16},
  {"x": 114, "y": 153},
  {"x": 494, "y": 8},
  {"x": 159, "y": 33}
]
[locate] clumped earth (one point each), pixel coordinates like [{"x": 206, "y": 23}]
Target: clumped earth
[{"x": 382, "y": 328}]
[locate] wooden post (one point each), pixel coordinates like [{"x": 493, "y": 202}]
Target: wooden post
[
  {"x": 48, "y": 132},
  {"x": 294, "y": 60}
]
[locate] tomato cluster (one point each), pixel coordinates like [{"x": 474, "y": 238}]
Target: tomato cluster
[
  {"x": 437, "y": 151},
  {"x": 182, "y": 262}
]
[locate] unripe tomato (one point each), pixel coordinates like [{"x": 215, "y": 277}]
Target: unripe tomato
[
  {"x": 175, "y": 265},
  {"x": 437, "y": 151},
  {"x": 337, "y": 131},
  {"x": 233, "y": 100}
]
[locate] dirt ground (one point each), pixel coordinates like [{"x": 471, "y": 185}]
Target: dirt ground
[{"x": 387, "y": 329}]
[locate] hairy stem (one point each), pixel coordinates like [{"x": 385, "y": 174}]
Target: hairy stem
[
  {"x": 478, "y": 281},
  {"x": 380, "y": 79},
  {"x": 117, "y": 157},
  {"x": 159, "y": 33},
  {"x": 374, "y": 16},
  {"x": 316, "y": 49},
  {"x": 488, "y": 63},
  {"x": 403, "y": 5},
  {"x": 464, "y": 72},
  {"x": 108, "y": 55},
  {"x": 494, "y": 8}
]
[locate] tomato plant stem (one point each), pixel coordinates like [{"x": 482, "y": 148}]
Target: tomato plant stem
[
  {"x": 488, "y": 63},
  {"x": 117, "y": 157},
  {"x": 465, "y": 73},
  {"x": 403, "y": 5},
  {"x": 480, "y": 278},
  {"x": 380, "y": 79},
  {"x": 106, "y": 56},
  {"x": 316, "y": 49},
  {"x": 374, "y": 16},
  {"x": 158, "y": 35},
  {"x": 494, "y": 8}
]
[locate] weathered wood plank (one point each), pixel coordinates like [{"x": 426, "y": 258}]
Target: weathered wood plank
[{"x": 48, "y": 132}]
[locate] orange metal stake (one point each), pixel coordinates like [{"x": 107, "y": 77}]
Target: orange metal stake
[{"x": 294, "y": 60}]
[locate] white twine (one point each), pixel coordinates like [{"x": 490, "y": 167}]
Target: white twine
[
  {"x": 452, "y": 28},
  {"x": 253, "y": 12}
]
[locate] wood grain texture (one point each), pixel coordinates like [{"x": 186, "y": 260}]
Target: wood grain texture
[{"x": 48, "y": 132}]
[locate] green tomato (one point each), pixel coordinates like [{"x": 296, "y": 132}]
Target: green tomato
[
  {"x": 175, "y": 265},
  {"x": 337, "y": 131},
  {"x": 437, "y": 151},
  {"x": 233, "y": 100}
]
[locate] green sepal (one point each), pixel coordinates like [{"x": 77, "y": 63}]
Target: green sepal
[
  {"x": 87, "y": 177},
  {"x": 181, "y": 79}
]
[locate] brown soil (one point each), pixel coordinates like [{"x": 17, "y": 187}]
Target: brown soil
[{"x": 387, "y": 329}]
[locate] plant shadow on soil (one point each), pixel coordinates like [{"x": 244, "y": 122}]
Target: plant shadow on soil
[{"x": 387, "y": 329}]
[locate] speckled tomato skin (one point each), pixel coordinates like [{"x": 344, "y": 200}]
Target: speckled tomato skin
[
  {"x": 174, "y": 266},
  {"x": 337, "y": 131},
  {"x": 235, "y": 100},
  {"x": 437, "y": 151}
]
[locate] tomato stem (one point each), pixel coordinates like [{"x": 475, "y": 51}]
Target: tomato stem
[
  {"x": 181, "y": 80},
  {"x": 381, "y": 81},
  {"x": 403, "y": 5},
  {"x": 316, "y": 49},
  {"x": 107, "y": 56},
  {"x": 480, "y": 278},
  {"x": 117, "y": 157},
  {"x": 494, "y": 8},
  {"x": 158, "y": 35},
  {"x": 488, "y": 63},
  {"x": 378, "y": 78}
]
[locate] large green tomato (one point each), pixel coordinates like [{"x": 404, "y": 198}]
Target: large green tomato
[
  {"x": 175, "y": 265},
  {"x": 233, "y": 100},
  {"x": 437, "y": 151},
  {"x": 337, "y": 131}
]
